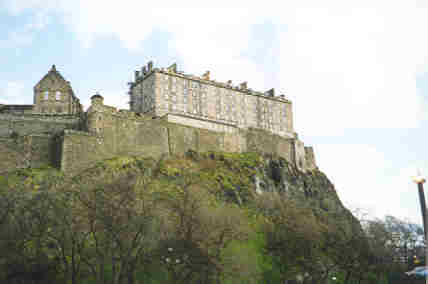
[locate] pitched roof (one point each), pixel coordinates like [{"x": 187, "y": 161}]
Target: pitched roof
[{"x": 53, "y": 77}]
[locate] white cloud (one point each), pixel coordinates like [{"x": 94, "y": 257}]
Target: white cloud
[
  {"x": 365, "y": 179},
  {"x": 24, "y": 34},
  {"x": 347, "y": 65},
  {"x": 355, "y": 67},
  {"x": 12, "y": 93}
]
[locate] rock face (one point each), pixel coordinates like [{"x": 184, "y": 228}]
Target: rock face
[
  {"x": 310, "y": 186},
  {"x": 239, "y": 177},
  {"x": 233, "y": 177}
]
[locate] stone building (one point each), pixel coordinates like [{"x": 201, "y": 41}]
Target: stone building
[
  {"x": 170, "y": 114},
  {"x": 205, "y": 103},
  {"x": 52, "y": 95}
]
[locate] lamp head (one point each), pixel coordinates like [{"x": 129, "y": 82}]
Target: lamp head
[{"x": 418, "y": 178}]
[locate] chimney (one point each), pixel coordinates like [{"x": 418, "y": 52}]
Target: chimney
[
  {"x": 206, "y": 75},
  {"x": 137, "y": 75},
  {"x": 270, "y": 93},
  {"x": 243, "y": 86},
  {"x": 172, "y": 68},
  {"x": 150, "y": 66},
  {"x": 144, "y": 70}
]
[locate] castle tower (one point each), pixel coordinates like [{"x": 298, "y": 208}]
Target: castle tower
[{"x": 54, "y": 95}]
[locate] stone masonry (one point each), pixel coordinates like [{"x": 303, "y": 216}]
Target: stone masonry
[
  {"x": 170, "y": 113},
  {"x": 190, "y": 99}
]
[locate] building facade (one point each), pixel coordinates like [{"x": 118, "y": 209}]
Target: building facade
[
  {"x": 201, "y": 102},
  {"x": 51, "y": 95},
  {"x": 170, "y": 114},
  {"x": 54, "y": 95}
]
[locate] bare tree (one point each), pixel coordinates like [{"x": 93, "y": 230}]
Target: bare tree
[{"x": 119, "y": 218}]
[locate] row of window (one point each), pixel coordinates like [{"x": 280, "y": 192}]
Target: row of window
[
  {"x": 57, "y": 109},
  {"x": 45, "y": 95}
]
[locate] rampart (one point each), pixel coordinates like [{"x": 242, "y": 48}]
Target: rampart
[
  {"x": 32, "y": 140},
  {"x": 29, "y": 124},
  {"x": 35, "y": 151},
  {"x": 112, "y": 132},
  {"x": 171, "y": 113}
]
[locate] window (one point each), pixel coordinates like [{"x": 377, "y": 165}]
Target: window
[
  {"x": 58, "y": 95},
  {"x": 46, "y": 95},
  {"x": 58, "y": 109}
]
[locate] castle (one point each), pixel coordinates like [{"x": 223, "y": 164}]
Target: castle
[{"x": 170, "y": 113}]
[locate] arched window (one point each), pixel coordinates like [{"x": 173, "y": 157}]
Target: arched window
[
  {"x": 58, "y": 95},
  {"x": 46, "y": 95}
]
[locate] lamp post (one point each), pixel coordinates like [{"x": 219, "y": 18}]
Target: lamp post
[{"x": 419, "y": 180}]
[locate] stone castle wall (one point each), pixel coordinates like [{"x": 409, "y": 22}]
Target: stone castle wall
[
  {"x": 32, "y": 140},
  {"x": 310, "y": 158},
  {"x": 113, "y": 132},
  {"x": 171, "y": 113},
  {"x": 35, "y": 151},
  {"x": 36, "y": 124}
]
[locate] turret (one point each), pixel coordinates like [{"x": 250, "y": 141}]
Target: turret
[{"x": 97, "y": 99}]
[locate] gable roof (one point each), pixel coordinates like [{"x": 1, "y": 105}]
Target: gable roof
[{"x": 52, "y": 78}]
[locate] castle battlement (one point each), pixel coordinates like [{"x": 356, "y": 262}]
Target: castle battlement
[{"x": 205, "y": 79}]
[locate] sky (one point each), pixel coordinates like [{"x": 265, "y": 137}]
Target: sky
[{"x": 356, "y": 71}]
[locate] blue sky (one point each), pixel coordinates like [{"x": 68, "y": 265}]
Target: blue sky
[{"x": 356, "y": 73}]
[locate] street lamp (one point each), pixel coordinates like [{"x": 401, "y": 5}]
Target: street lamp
[{"x": 420, "y": 180}]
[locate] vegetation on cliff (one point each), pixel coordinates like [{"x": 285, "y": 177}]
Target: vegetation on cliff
[{"x": 199, "y": 218}]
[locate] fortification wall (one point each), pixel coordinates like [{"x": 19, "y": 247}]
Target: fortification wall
[
  {"x": 80, "y": 150},
  {"x": 264, "y": 142},
  {"x": 36, "y": 124},
  {"x": 126, "y": 132},
  {"x": 299, "y": 154},
  {"x": 115, "y": 133},
  {"x": 183, "y": 138},
  {"x": 13, "y": 154},
  {"x": 37, "y": 150},
  {"x": 310, "y": 158},
  {"x": 32, "y": 140}
]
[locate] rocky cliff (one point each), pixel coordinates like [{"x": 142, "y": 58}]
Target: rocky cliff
[{"x": 233, "y": 177}]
